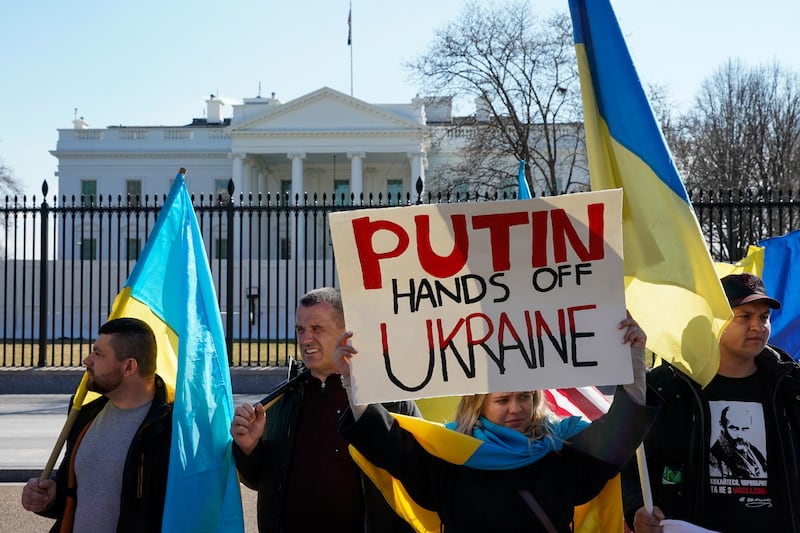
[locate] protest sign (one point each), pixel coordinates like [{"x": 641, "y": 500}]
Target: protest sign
[{"x": 451, "y": 299}]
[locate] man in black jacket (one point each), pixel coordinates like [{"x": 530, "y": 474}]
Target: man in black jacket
[
  {"x": 114, "y": 474},
  {"x": 684, "y": 471},
  {"x": 294, "y": 457}
]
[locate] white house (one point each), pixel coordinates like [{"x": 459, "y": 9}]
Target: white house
[{"x": 324, "y": 142}]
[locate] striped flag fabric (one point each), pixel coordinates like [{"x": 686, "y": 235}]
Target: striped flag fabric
[
  {"x": 775, "y": 260},
  {"x": 604, "y": 512},
  {"x": 667, "y": 262},
  {"x": 171, "y": 289},
  {"x": 587, "y": 402}
]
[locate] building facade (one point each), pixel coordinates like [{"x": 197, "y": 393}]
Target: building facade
[
  {"x": 325, "y": 142},
  {"x": 324, "y": 145}
]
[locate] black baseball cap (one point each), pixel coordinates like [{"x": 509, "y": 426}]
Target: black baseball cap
[{"x": 745, "y": 288}]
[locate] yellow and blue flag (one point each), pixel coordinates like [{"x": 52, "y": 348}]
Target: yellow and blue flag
[
  {"x": 752, "y": 263},
  {"x": 781, "y": 276},
  {"x": 775, "y": 260},
  {"x": 667, "y": 263},
  {"x": 171, "y": 289},
  {"x": 524, "y": 192}
]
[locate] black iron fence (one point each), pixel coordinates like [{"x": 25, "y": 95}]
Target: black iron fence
[
  {"x": 63, "y": 263},
  {"x": 733, "y": 220}
]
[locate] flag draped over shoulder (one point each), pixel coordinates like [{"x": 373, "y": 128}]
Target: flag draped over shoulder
[
  {"x": 494, "y": 453},
  {"x": 603, "y": 513},
  {"x": 171, "y": 289},
  {"x": 667, "y": 263}
]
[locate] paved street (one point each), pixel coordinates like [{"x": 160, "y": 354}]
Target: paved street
[{"x": 29, "y": 427}]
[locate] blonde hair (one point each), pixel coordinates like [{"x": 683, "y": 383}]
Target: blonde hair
[{"x": 470, "y": 407}]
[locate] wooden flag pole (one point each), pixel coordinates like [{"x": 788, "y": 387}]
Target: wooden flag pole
[{"x": 77, "y": 403}]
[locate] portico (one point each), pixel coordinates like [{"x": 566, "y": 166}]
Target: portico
[{"x": 327, "y": 143}]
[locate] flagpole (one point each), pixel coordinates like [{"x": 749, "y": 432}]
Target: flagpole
[
  {"x": 351, "y": 70},
  {"x": 77, "y": 403},
  {"x": 350, "y": 43},
  {"x": 644, "y": 479}
]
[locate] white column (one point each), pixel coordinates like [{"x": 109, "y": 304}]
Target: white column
[
  {"x": 357, "y": 174},
  {"x": 261, "y": 181},
  {"x": 238, "y": 172},
  {"x": 296, "y": 232},
  {"x": 418, "y": 163},
  {"x": 251, "y": 178},
  {"x": 297, "y": 173}
]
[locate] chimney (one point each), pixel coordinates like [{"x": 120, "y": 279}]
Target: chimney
[
  {"x": 214, "y": 110},
  {"x": 483, "y": 109}
]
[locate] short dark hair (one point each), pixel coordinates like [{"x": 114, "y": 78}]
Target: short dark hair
[
  {"x": 131, "y": 337},
  {"x": 322, "y": 295}
]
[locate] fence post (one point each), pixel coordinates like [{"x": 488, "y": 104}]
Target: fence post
[
  {"x": 229, "y": 277},
  {"x": 44, "y": 213}
]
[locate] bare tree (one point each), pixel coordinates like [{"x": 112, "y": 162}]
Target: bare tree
[
  {"x": 521, "y": 72},
  {"x": 741, "y": 140},
  {"x": 743, "y": 130},
  {"x": 8, "y": 184},
  {"x": 672, "y": 126}
]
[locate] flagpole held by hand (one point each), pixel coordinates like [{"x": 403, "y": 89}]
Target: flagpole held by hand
[
  {"x": 296, "y": 373},
  {"x": 77, "y": 403},
  {"x": 644, "y": 479}
]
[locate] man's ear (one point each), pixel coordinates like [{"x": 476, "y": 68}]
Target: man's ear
[{"x": 131, "y": 366}]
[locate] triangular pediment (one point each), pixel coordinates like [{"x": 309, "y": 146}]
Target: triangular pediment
[{"x": 326, "y": 110}]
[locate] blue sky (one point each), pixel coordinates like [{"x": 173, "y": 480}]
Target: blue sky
[{"x": 155, "y": 62}]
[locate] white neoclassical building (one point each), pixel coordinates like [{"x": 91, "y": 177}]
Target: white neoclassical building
[
  {"x": 324, "y": 142},
  {"x": 326, "y": 145},
  {"x": 322, "y": 147}
]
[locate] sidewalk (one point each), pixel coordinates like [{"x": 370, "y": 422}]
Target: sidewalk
[
  {"x": 56, "y": 380},
  {"x": 34, "y": 402},
  {"x": 29, "y": 427}
]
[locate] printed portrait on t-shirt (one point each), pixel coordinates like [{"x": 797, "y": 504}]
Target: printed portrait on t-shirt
[
  {"x": 737, "y": 441},
  {"x": 739, "y": 496}
]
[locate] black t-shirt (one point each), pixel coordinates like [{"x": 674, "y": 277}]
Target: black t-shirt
[{"x": 739, "y": 495}]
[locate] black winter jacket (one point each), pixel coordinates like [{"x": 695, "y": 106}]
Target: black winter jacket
[
  {"x": 679, "y": 440},
  {"x": 266, "y": 469},
  {"x": 470, "y": 500},
  {"x": 144, "y": 479}
]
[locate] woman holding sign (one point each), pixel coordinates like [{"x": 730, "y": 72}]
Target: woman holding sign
[{"x": 510, "y": 465}]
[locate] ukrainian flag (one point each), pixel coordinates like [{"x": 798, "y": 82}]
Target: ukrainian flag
[
  {"x": 496, "y": 452},
  {"x": 671, "y": 287},
  {"x": 782, "y": 277},
  {"x": 171, "y": 289},
  {"x": 775, "y": 260}
]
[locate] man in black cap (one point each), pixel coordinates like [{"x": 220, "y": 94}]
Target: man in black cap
[{"x": 687, "y": 480}]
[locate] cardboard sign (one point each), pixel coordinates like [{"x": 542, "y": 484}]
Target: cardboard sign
[{"x": 452, "y": 299}]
